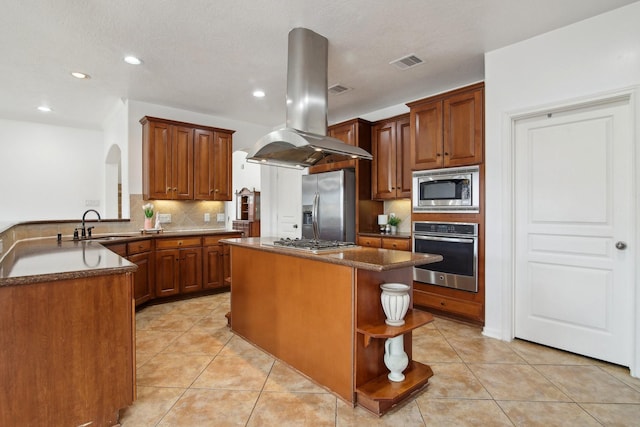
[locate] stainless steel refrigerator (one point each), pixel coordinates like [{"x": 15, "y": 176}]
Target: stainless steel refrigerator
[{"x": 328, "y": 206}]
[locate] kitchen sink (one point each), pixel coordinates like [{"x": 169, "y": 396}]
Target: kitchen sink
[{"x": 98, "y": 239}]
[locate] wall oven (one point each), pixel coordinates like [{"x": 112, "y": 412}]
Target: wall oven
[
  {"x": 458, "y": 244},
  {"x": 447, "y": 190}
]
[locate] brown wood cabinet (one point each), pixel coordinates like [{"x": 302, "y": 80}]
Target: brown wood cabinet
[
  {"x": 355, "y": 132},
  {"x": 391, "y": 167},
  {"x": 385, "y": 242},
  {"x": 183, "y": 161},
  {"x": 67, "y": 351},
  {"x": 447, "y": 130},
  {"x": 247, "y": 213},
  {"x": 216, "y": 261},
  {"x": 139, "y": 253},
  {"x": 178, "y": 266},
  {"x": 212, "y": 169}
]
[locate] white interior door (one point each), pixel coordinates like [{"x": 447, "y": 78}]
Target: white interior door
[
  {"x": 573, "y": 205},
  {"x": 289, "y": 205}
]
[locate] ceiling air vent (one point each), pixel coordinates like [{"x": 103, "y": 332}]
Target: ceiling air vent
[
  {"x": 407, "y": 62},
  {"x": 337, "y": 89}
]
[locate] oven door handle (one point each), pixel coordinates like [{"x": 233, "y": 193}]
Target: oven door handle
[{"x": 446, "y": 239}]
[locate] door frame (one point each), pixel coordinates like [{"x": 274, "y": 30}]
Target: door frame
[{"x": 507, "y": 244}]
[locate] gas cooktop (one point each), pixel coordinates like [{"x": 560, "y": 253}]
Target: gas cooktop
[{"x": 313, "y": 245}]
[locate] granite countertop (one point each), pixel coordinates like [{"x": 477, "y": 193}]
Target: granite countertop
[
  {"x": 46, "y": 259},
  {"x": 364, "y": 258}
]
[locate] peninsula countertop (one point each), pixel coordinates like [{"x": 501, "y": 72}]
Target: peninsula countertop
[
  {"x": 365, "y": 258},
  {"x": 46, "y": 259}
]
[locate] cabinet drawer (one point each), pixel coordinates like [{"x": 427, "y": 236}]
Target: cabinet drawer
[
  {"x": 138, "y": 247},
  {"x": 119, "y": 248},
  {"x": 372, "y": 242},
  {"x": 182, "y": 242},
  {"x": 214, "y": 240},
  {"x": 398, "y": 244},
  {"x": 468, "y": 309}
]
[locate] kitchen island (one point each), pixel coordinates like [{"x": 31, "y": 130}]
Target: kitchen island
[{"x": 320, "y": 313}]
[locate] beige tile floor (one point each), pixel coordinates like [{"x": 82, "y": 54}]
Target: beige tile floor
[{"x": 192, "y": 371}]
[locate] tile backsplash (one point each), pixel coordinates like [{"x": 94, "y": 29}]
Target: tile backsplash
[{"x": 185, "y": 215}]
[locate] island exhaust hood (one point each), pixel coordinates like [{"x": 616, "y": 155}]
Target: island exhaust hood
[{"x": 304, "y": 141}]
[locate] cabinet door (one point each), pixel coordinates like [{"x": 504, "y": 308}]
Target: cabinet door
[
  {"x": 167, "y": 272},
  {"x": 142, "y": 277},
  {"x": 463, "y": 129},
  {"x": 190, "y": 275},
  {"x": 345, "y": 133},
  {"x": 383, "y": 171},
  {"x": 157, "y": 148},
  {"x": 426, "y": 138},
  {"x": 182, "y": 162},
  {"x": 403, "y": 158},
  {"x": 203, "y": 164},
  {"x": 222, "y": 171},
  {"x": 212, "y": 267}
]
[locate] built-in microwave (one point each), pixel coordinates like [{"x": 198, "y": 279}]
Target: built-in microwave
[{"x": 447, "y": 190}]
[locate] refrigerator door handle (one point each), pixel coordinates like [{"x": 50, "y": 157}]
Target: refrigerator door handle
[{"x": 314, "y": 212}]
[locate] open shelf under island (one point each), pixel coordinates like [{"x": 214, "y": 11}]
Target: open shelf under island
[{"x": 321, "y": 315}]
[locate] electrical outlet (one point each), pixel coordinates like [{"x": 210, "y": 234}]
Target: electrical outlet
[
  {"x": 220, "y": 217},
  {"x": 207, "y": 217},
  {"x": 164, "y": 218}
]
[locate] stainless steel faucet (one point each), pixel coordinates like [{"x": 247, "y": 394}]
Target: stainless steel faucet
[{"x": 84, "y": 230}]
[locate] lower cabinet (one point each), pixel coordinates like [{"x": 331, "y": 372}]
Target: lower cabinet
[
  {"x": 469, "y": 310},
  {"x": 140, "y": 254},
  {"x": 385, "y": 243},
  {"x": 178, "y": 266},
  {"x": 216, "y": 268}
]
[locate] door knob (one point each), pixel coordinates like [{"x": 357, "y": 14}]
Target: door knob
[{"x": 621, "y": 245}]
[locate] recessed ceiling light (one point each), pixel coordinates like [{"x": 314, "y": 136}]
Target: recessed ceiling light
[
  {"x": 79, "y": 75},
  {"x": 132, "y": 60},
  {"x": 258, "y": 94},
  {"x": 44, "y": 108}
]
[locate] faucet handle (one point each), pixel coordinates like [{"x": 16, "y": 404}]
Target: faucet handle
[
  {"x": 75, "y": 234},
  {"x": 89, "y": 231}
]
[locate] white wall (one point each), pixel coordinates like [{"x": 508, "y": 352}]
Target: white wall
[
  {"x": 116, "y": 132},
  {"x": 48, "y": 172},
  {"x": 586, "y": 59}
]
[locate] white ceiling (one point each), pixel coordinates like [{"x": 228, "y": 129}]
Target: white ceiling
[{"x": 209, "y": 55}]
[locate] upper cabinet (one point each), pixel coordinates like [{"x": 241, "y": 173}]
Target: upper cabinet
[
  {"x": 391, "y": 166},
  {"x": 448, "y": 129},
  {"x": 183, "y": 161},
  {"x": 212, "y": 169}
]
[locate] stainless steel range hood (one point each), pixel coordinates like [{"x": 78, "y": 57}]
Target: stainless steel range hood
[{"x": 304, "y": 141}]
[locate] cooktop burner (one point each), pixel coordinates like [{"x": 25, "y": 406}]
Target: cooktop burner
[{"x": 313, "y": 245}]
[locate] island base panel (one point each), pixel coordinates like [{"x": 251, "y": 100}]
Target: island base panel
[{"x": 299, "y": 311}]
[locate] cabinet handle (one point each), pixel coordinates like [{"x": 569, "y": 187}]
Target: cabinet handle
[
  {"x": 175, "y": 189},
  {"x": 180, "y": 243},
  {"x": 216, "y": 190},
  {"x": 438, "y": 154},
  {"x": 442, "y": 303},
  {"x": 446, "y": 154},
  {"x": 168, "y": 189}
]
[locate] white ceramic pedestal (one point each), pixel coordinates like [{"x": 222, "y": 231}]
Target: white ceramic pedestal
[
  {"x": 395, "y": 359},
  {"x": 395, "y": 302}
]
